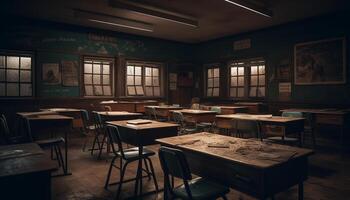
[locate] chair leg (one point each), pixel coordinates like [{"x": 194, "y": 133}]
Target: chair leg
[
  {"x": 101, "y": 147},
  {"x": 60, "y": 157},
  {"x": 121, "y": 180},
  {"x": 147, "y": 169},
  {"x": 96, "y": 141},
  {"x": 109, "y": 172},
  {"x": 153, "y": 174},
  {"x": 57, "y": 156}
]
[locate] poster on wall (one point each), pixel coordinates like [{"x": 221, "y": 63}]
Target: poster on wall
[
  {"x": 283, "y": 71},
  {"x": 320, "y": 62},
  {"x": 69, "y": 73},
  {"x": 285, "y": 91},
  {"x": 51, "y": 74}
]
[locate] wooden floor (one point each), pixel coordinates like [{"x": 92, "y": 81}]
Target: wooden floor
[{"x": 329, "y": 177}]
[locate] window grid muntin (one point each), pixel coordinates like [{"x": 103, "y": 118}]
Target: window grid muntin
[{"x": 213, "y": 90}]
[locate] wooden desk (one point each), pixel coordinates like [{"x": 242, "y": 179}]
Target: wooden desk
[
  {"x": 231, "y": 109},
  {"x": 253, "y": 107},
  {"x": 51, "y": 123},
  {"x": 256, "y": 168},
  {"x": 290, "y": 125},
  {"x": 164, "y": 111},
  {"x": 70, "y": 112},
  {"x": 118, "y": 115},
  {"x": 143, "y": 135},
  {"x": 197, "y": 116},
  {"x": 26, "y": 174},
  {"x": 130, "y": 106}
]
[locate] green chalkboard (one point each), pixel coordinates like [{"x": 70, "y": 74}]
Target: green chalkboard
[{"x": 49, "y": 75}]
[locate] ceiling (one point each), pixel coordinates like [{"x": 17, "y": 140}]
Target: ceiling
[{"x": 216, "y": 18}]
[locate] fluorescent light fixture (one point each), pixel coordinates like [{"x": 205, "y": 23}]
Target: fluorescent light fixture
[
  {"x": 113, "y": 20},
  {"x": 259, "y": 10},
  {"x": 155, "y": 12}
]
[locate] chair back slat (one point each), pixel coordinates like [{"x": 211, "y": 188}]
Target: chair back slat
[
  {"x": 174, "y": 163},
  {"x": 114, "y": 138}
]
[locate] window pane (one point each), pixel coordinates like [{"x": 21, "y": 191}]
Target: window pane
[
  {"x": 106, "y": 69},
  {"x": 254, "y": 80},
  {"x": 106, "y": 80},
  {"x": 262, "y": 80},
  {"x": 233, "y": 71},
  {"x": 155, "y": 72},
  {"x": 157, "y": 91},
  {"x": 148, "y": 71},
  {"x": 2, "y": 89},
  {"x": 107, "y": 90},
  {"x": 216, "y": 72},
  {"x": 216, "y": 82},
  {"x": 12, "y": 75},
  {"x": 87, "y": 68},
  {"x": 240, "y": 92},
  {"x": 261, "y": 92},
  {"x": 89, "y": 90},
  {"x": 130, "y": 80},
  {"x": 233, "y": 92},
  {"x": 210, "y": 92},
  {"x": 240, "y": 70},
  {"x": 148, "y": 80},
  {"x": 88, "y": 79},
  {"x": 210, "y": 82},
  {"x": 26, "y": 62},
  {"x": 97, "y": 69},
  {"x": 97, "y": 79},
  {"x": 234, "y": 81},
  {"x": 210, "y": 73},
  {"x": 138, "y": 80},
  {"x": 138, "y": 71},
  {"x": 26, "y": 89},
  {"x": 139, "y": 90},
  {"x": 13, "y": 62},
  {"x": 12, "y": 89},
  {"x": 155, "y": 81},
  {"x": 149, "y": 91},
  {"x": 262, "y": 69},
  {"x": 98, "y": 90},
  {"x": 2, "y": 74},
  {"x": 130, "y": 70},
  {"x": 131, "y": 90},
  {"x": 2, "y": 61},
  {"x": 26, "y": 76},
  {"x": 216, "y": 92},
  {"x": 254, "y": 70},
  {"x": 253, "y": 91},
  {"x": 240, "y": 81}
]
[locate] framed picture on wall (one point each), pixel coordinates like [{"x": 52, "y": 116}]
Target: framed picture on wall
[{"x": 320, "y": 62}]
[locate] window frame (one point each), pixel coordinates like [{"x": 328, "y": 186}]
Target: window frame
[
  {"x": 16, "y": 53},
  {"x": 211, "y": 66},
  {"x": 247, "y": 78},
  {"x": 143, "y": 65},
  {"x": 112, "y": 62}
]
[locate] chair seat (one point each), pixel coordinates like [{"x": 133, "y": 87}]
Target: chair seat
[
  {"x": 49, "y": 142},
  {"x": 202, "y": 188},
  {"x": 132, "y": 154}
]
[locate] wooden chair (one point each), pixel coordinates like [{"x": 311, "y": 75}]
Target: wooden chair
[
  {"x": 127, "y": 156},
  {"x": 87, "y": 128},
  {"x": 184, "y": 127},
  {"x": 174, "y": 164}
]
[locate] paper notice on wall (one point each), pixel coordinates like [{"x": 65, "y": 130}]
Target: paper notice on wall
[
  {"x": 69, "y": 73},
  {"x": 51, "y": 74},
  {"x": 285, "y": 90}
]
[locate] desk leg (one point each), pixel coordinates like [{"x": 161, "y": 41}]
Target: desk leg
[
  {"x": 301, "y": 191},
  {"x": 138, "y": 183}
]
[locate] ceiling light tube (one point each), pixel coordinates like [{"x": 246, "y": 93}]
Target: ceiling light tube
[{"x": 259, "y": 10}]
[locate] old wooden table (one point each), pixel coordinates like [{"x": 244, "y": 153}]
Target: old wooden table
[
  {"x": 253, "y": 107},
  {"x": 143, "y": 135},
  {"x": 197, "y": 116},
  {"x": 231, "y": 109},
  {"x": 25, "y": 172},
  {"x": 70, "y": 112},
  {"x": 130, "y": 106},
  {"x": 118, "y": 115},
  {"x": 257, "y": 168},
  {"x": 50, "y": 123}
]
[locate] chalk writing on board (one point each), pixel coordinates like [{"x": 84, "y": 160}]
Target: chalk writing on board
[
  {"x": 51, "y": 74},
  {"x": 69, "y": 73}
]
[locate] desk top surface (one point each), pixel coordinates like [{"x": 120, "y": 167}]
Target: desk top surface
[
  {"x": 166, "y": 107},
  {"x": 127, "y": 102},
  {"x": 268, "y": 118},
  {"x": 24, "y": 158},
  {"x": 331, "y": 111},
  {"x": 118, "y": 113},
  {"x": 152, "y": 125},
  {"x": 61, "y": 109},
  {"x": 196, "y": 112},
  {"x": 237, "y": 150},
  {"x": 49, "y": 117}
]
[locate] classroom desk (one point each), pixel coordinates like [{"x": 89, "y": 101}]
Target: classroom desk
[
  {"x": 25, "y": 174},
  {"x": 118, "y": 115},
  {"x": 70, "y": 112},
  {"x": 231, "y": 109},
  {"x": 289, "y": 125},
  {"x": 256, "y": 168},
  {"x": 164, "y": 111},
  {"x": 130, "y": 106},
  {"x": 197, "y": 116},
  {"x": 143, "y": 135},
  {"x": 253, "y": 107},
  {"x": 50, "y": 123}
]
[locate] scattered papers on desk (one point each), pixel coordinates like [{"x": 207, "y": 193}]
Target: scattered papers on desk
[{"x": 139, "y": 121}]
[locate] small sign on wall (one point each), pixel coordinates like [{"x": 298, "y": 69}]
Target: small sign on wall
[{"x": 242, "y": 44}]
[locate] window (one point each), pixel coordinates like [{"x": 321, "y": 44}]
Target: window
[
  {"x": 247, "y": 78},
  {"x": 143, "y": 79},
  {"x": 16, "y": 76},
  {"x": 213, "y": 81},
  {"x": 98, "y": 78}
]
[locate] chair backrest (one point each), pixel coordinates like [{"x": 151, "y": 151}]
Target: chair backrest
[
  {"x": 97, "y": 120},
  {"x": 154, "y": 113},
  {"x": 85, "y": 118},
  {"x": 195, "y": 106},
  {"x": 178, "y": 117},
  {"x": 217, "y": 109},
  {"x": 248, "y": 126},
  {"x": 114, "y": 138},
  {"x": 174, "y": 163},
  {"x": 292, "y": 114},
  {"x": 4, "y": 131}
]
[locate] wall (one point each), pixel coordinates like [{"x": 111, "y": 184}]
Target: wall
[{"x": 276, "y": 45}]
